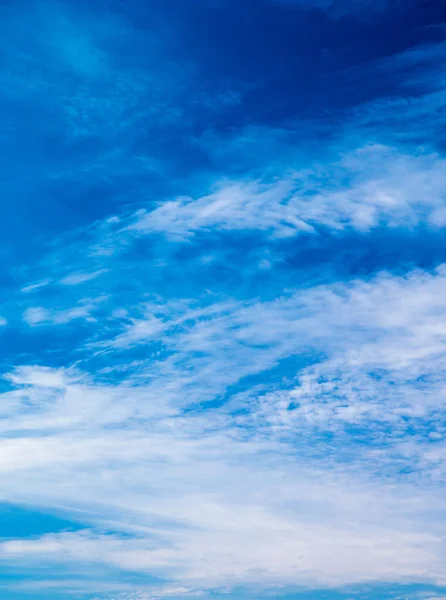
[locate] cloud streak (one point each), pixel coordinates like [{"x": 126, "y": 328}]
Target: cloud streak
[{"x": 384, "y": 187}]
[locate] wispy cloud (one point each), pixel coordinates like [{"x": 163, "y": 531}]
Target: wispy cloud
[
  {"x": 35, "y": 286},
  {"x": 39, "y": 315},
  {"x": 223, "y": 464},
  {"x": 78, "y": 278},
  {"x": 365, "y": 189},
  {"x": 224, "y": 359}
]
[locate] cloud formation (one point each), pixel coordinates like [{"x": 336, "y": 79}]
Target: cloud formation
[
  {"x": 223, "y": 314},
  {"x": 384, "y": 188}
]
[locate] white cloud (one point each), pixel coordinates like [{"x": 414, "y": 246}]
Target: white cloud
[
  {"x": 35, "y": 286},
  {"x": 390, "y": 323},
  {"x": 39, "y": 376},
  {"x": 39, "y": 315},
  {"x": 78, "y": 278},
  {"x": 385, "y": 188},
  {"x": 140, "y": 330},
  {"x": 237, "y": 543},
  {"x": 201, "y": 510},
  {"x": 36, "y": 315},
  {"x": 229, "y": 497}
]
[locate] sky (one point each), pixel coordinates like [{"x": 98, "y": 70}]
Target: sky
[{"x": 223, "y": 300}]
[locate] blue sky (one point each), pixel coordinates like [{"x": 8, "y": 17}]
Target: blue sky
[{"x": 223, "y": 340}]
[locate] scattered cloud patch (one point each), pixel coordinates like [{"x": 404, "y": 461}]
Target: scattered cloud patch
[
  {"x": 78, "y": 278},
  {"x": 39, "y": 315},
  {"x": 35, "y": 286}
]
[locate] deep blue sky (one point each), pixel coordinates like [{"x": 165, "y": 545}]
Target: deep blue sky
[{"x": 223, "y": 249}]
